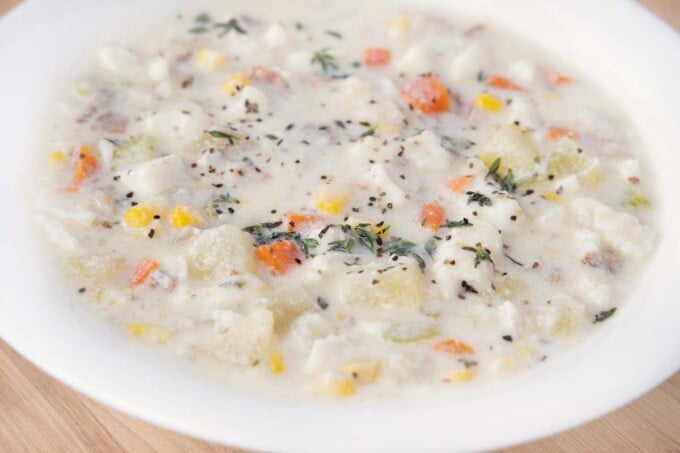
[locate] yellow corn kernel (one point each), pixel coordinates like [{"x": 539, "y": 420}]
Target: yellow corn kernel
[
  {"x": 154, "y": 333},
  {"x": 235, "y": 83},
  {"x": 488, "y": 102},
  {"x": 138, "y": 216},
  {"x": 275, "y": 363},
  {"x": 397, "y": 27},
  {"x": 211, "y": 60},
  {"x": 551, "y": 97},
  {"x": 525, "y": 351},
  {"x": 183, "y": 216},
  {"x": 555, "y": 198},
  {"x": 501, "y": 364},
  {"x": 329, "y": 201},
  {"x": 340, "y": 387},
  {"x": 386, "y": 129},
  {"x": 362, "y": 372},
  {"x": 56, "y": 157},
  {"x": 462, "y": 375}
]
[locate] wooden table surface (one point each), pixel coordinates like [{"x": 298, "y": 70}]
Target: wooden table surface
[{"x": 37, "y": 413}]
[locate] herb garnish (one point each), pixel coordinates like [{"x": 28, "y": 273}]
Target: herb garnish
[
  {"x": 368, "y": 132},
  {"x": 226, "y": 135},
  {"x": 263, "y": 234},
  {"x": 481, "y": 254},
  {"x": 506, "y": 182},
  {"x": 456, "y": 223},
  {"x": 476, "y": 197},
  {"x": 230, "y": 25},
  {"x": 401, "y": 247},
  {"x": 431, "y": 245},
  {"x": 326, "y": 60},
  {"x": 603, "y": 315},
  {"x": 344, "y": 245},
  {"x": 334, "y": 34},
  {"x": 203, "y": 22},
  {"x": 454, "y": 145}
]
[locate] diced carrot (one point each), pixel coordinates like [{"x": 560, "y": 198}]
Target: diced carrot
[
  {"x": 427, "y": 94},
  {"x": 502, "y": 83},
  {"x": 144, "y": 268},
  {"x": 296, "y": 221},
  {"x": 454, "y": 347},
  {"x": 459, "y": 184},
  {"x": 280, "y": 256},
  {"x": 86, "y": 165},
  {"x": 376, "y": 57},
  {"x": 556, "y": 79},
  {"x": 432, "y": 216},
  {"x": 555, "y": 133},
  {"x": 266, "y": 76}
]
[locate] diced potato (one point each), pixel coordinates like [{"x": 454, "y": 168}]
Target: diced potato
[
  {"x": 565, "y": 159},
  {"x": 509, "y": 285},
  {"x": 399, "y": 287},
  {"x": 560, "y": 318},
  {"x": 287, "y": 303},
  {"x": 96, "y": 272},
  {"x": 621, "y": 230},
  {"x": 408, "y": 332},
  {"x": 152, "y": 178},
  {"x": 134, "y": 150},
  {"x": 398, "y": 27},
  {"x": 362, "y": 372},
  {"x": 151, "y": 332},
  {"x": 216, "y": 252},
  {"x": 248, "y": 341},
  {"x": 515, "y": 150}
]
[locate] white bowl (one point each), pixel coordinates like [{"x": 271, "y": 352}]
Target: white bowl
[{"x": 623, "y": 48}]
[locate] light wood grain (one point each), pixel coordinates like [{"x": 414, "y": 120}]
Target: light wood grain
[{"x": 38, "y": 414}]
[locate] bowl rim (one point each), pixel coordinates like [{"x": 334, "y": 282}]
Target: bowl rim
[{"x": 346, "y": 424}]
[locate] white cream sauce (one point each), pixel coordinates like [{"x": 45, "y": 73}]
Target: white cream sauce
[{"x": 427, "y": 264}]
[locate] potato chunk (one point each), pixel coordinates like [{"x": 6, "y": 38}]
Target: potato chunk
[
  {"x": 515, "y": 150},
  {"x": 216, "y": 252},
  {"x": 287, "y": 304},
  {"x": 96, "y": 272},
  {"x": 248, "y": 341},
  {"x": 400, "y": 286}
]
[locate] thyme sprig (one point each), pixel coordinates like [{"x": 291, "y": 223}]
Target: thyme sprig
[
  {"x": 506, "y": 182},
  {"x": 479, "y": 198},
  {"x": 325, "y": 60},
  {"x": 481, "y": 254}
]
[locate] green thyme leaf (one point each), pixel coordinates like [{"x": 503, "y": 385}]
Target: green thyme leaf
[
  {"x": 604, "y": 315},
  {"x": 325, "y": 60},
  {"x": 230, "y": 25},
  {"x": 456, "y": 223},
  {"x": 476, "y": 197},
  {"x": 344, "y": 246},
  {"x": 481, "y": 254}
]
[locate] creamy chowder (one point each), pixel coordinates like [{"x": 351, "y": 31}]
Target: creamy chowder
[{"x": 333, "y": 201}]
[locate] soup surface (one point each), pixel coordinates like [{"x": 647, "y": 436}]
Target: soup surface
[{"x": 332, "y": 201}]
